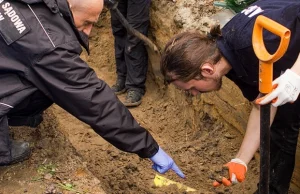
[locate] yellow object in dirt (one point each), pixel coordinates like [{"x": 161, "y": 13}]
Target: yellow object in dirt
[{"x": 160, "y": 181}]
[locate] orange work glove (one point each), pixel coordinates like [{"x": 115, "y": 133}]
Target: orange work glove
[{"x": 235, "y": 173}]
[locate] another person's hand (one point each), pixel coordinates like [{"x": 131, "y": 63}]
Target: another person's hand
[
  {"x": 286, "y": 89},
  {"x": 235, "y": 171},
  {"x": 162, "y": 162}
]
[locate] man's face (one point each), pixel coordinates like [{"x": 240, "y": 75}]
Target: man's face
[
  {"x": 195, "y": 87},
  {"x": 85, "y": 18}
]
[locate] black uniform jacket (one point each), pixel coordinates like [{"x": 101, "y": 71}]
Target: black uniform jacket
[
  {"x": 40, "y": 50},
  {"x": 236, "y": 42}
]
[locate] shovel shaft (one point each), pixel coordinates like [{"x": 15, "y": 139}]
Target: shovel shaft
[
  {"x": 266, "y": 61},
  {"x": 264, "y": 149},
  {"x": 265, "y": 77},
  {"x": 133, "y": 31}
]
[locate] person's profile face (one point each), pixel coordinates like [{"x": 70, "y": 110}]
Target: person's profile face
[
  {"x": 85, "y": 18},
  {"x": 83, "y": 25},
  {"x": 195, "y": 87}
]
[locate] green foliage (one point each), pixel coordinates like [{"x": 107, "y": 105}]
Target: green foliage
[
  {"x": 69, "y": 187},
  {"x": 238, "y": 5},
  {"x": 47, "y": 168}
]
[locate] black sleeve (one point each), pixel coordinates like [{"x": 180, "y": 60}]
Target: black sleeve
[{"x": 75, "y": 87}]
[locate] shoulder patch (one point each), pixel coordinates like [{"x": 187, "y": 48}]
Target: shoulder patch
[{"x": 12, "y": 23}]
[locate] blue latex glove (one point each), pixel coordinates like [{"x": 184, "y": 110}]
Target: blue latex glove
[{"x": 163, "y": 162}]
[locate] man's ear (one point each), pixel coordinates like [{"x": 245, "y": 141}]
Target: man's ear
[{"x": 207, "y": 69}]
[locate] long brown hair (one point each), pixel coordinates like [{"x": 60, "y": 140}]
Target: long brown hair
[{"x": 186, "y": 52}]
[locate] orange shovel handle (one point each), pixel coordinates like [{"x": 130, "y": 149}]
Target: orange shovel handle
[{"x": 266, "y": 59}]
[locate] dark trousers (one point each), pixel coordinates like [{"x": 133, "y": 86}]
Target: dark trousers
[
  {"x": 130, "y": 52},
  {"x": 284, "y": 137},
  {"x": 27, "y": 112}
]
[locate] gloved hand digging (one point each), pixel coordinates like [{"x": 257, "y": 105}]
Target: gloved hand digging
[
  {"x": 235, "y": 171},
  {"x": 163, "y": 162}
]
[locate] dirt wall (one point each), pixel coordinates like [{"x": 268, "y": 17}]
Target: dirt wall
[{"x": 169, "y": 18}]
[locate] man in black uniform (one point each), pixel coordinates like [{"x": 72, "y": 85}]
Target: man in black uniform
[
  {"x": 196, "y": 63},
  {"x": 130, "y": 52},
  {"x": 40, "y": 64}
]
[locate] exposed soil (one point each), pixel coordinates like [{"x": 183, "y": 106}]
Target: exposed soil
[
  {"x": 69, "y": 157},
  {"x": 200, "y": 151},
  {"x": 54, "y": 166}
]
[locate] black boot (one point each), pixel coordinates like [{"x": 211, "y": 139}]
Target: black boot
[
  {"x": 20, "y": 151},
  {"x": 119, "y": 87}
]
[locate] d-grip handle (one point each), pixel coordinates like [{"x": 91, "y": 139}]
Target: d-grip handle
[{"x": 266, "y": 59}]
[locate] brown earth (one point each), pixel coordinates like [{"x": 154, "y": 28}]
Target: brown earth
[{"x": 69, "y": 157}]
